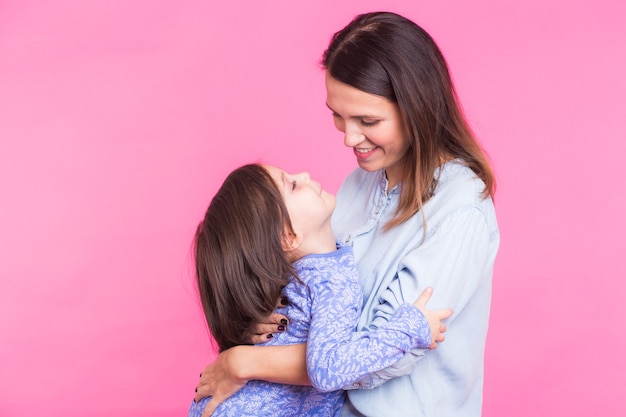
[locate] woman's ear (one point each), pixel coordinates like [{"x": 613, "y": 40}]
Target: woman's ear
[{"x": 291, "y": 241}]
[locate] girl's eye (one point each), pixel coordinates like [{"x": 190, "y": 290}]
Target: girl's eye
[{"x": 368, "y": 123}]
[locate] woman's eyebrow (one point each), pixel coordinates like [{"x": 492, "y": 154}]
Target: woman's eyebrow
[{"x": 356, "y": 116}]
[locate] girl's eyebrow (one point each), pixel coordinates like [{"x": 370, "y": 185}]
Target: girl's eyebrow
[{"x": 286, "y": 181}]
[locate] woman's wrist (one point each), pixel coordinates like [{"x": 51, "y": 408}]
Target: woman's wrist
[
  {"x": 241, "y": 363},
  {"x": 278, "y": 364}
]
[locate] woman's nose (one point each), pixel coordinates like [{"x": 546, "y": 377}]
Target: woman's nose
[{"x": 352, "y": 137}]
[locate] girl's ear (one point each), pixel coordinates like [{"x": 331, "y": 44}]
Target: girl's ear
[{"x": 291, "y": 242}]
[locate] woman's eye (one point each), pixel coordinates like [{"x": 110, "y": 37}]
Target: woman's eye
[{"x": 366, "y": 122}]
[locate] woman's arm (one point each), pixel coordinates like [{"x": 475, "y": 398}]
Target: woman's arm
[
  {"x": 454, "y": 260},
  {"x": 455, "y": 273},
  {"x": 233, "y": 368}
]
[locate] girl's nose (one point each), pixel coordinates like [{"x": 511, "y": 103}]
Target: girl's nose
[{"x": 304, "y": 177}]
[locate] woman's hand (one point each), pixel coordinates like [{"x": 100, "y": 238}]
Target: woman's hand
[
  {"x": 234, "y": 367},
  {"x": 219, "y": 380},
  {"x": 434, "y": 317},
  {"x": 274, "y": 323},
  {"x": 262, "y": 332}
]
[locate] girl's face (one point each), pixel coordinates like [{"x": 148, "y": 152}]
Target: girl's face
[
  {"x": 372, "y": 126},
  {"x": 309, "y": 206}
]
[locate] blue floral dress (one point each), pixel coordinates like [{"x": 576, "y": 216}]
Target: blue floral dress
[{"x": 323, "y": 313}]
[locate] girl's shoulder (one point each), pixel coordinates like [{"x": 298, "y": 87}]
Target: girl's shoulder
[{"x": 313, "y": 264}]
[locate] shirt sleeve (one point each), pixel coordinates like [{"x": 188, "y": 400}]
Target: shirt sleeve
[
  {"x": 453, "y": 260},
  {"x": 334, "y": 358}
]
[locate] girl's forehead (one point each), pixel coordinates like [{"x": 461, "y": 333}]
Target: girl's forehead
[
  {"x": 278, "y": 175},
  {"x": 274, "y": 172}
]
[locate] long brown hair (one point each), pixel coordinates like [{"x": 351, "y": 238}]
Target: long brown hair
[
  {"x": 388, "y": 55},
  {"x": 241, "y": 267}
]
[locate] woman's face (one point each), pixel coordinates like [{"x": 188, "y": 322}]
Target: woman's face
[
  {"x": 372, "y": 126},
  {"x": 308, "y": 205}
]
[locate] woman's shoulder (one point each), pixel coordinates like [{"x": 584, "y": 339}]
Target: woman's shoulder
[
  {"x": 459, "y": 189},
  {"x": 456, "y": 180}
]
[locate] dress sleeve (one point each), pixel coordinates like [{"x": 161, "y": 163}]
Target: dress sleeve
[
  {"x": 334, "y": 358},
  {"x": 454, "y": 260}
]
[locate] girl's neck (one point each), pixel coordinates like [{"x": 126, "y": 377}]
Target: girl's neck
[{"x": 320, "y": 244}]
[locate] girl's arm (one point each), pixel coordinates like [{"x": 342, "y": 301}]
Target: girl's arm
[{"x": 334, "y": 358}]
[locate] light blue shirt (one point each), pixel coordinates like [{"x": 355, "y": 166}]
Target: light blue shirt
[{"x": 455, "y": 257}]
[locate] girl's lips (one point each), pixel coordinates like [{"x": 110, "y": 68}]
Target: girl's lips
[{"x": 363, "y": 155}]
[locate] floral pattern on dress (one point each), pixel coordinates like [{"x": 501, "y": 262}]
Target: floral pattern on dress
[{"x": 323, "y": 313}]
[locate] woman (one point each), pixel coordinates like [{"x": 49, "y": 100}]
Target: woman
[
  {"x": 265, "y": 235},
  {"x": 417, "y": 212}
]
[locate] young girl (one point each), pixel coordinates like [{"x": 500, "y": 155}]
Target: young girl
[{"x": 266, "y": 235}]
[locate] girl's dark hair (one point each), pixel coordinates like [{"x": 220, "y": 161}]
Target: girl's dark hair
[
  {"x": 388, "y": 55},
  {"x": 241, "y": 266}
]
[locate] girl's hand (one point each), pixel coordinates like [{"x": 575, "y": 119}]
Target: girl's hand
[
  {"x": 274, "y": 323},
  {"x": 219, "y": 380},
  {"x": 434, "y": 317}
]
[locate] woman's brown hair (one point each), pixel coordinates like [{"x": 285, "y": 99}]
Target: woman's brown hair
[
  {"x": 388, "y": 55},
  {"x": 241, "y": 267}
]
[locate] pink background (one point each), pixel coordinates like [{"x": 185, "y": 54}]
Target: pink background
[{"x": 119, "y": 119}]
